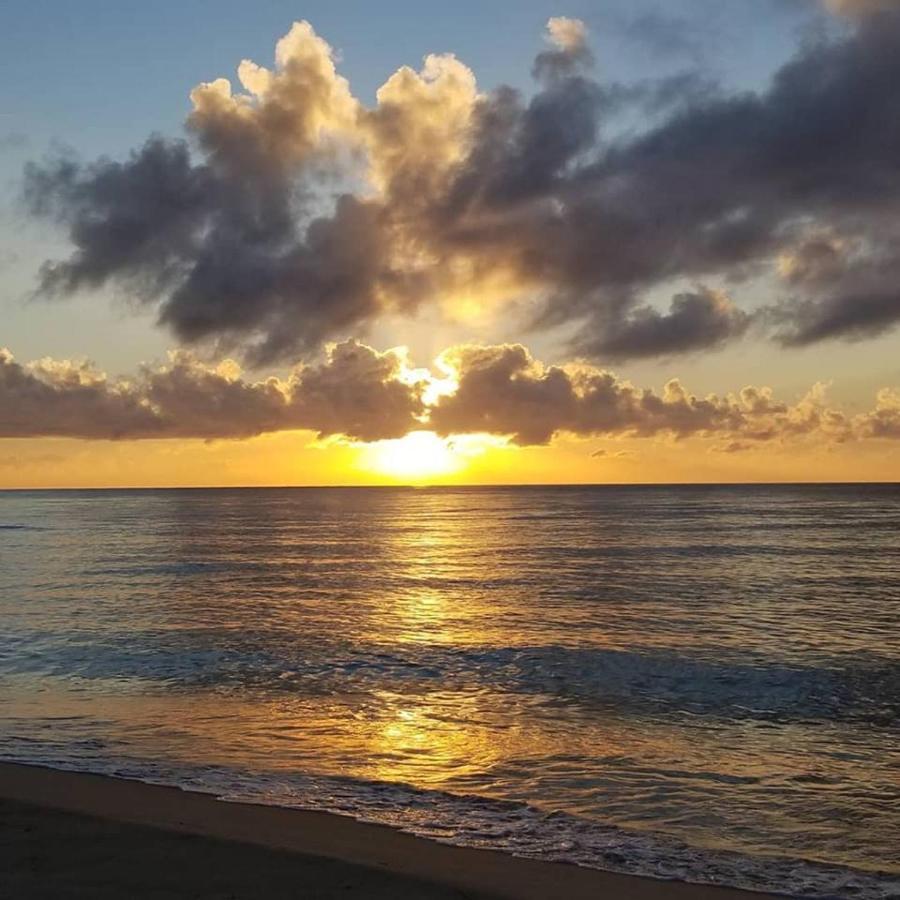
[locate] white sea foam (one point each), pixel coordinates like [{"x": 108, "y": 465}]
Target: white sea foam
[{"x": 471, "y": 821}]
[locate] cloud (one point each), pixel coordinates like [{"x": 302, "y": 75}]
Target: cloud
[
  {"x": 841, "y": 288},
  {"x": 695, "y": 321},
  {"x": 733, "y": 447},
  {"x": 355, "y": 392},
  {"x": 234, "y": 246},
  {"x": 285, "y": 117},
  {"x": 294, "y": 214},
  {"x": 570, "y": 52},
  {"x": 838, "y": 291},
  {"x": 67, "y": 399},
  {"x": 608, "y": 454},
  {"x": 884, "y": 420},
  {"x": 722, "y": 187},
  {"x": 502, "y": 390},
  {"x": 859, "y": 7}
]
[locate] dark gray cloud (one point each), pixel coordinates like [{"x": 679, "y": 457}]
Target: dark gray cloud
[
  {"x": 721, "y": 187},
  {"x": 842, "y": 289},
  {"x": 235, "y": 243},
  {"x": 70, "y": 401},
  {"x": 140, "y": 220},
  {"x": 733, "y": 447},
  {"x": 222, "y": 260},
  {"x": 500, "y": 393},
  {"x": 355, "y": 392},
  {"x": 695, "y": 321}
]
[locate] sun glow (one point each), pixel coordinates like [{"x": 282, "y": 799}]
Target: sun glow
[{"x": 418, "y": 456}]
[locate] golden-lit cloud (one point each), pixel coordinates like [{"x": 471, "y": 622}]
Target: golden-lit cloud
[
  {"x": 286, "y": 116},
  {"x": 424, "y": 421},
  {"x": 569, "y": 40},
  {"x": 503, "y": 390},
  {"x": 356, "y": 392},
  {"x": 420, "y": 128},
  {"x": 884, "y": 420},
  {"x": 567, "y": 34}
]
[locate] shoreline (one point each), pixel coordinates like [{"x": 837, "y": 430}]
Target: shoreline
[
  {"x": 451, "y": 486},
  {"x": 307, "y": 844}
]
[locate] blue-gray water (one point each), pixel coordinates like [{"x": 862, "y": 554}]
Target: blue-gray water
[{"x": 691, "y": 682}]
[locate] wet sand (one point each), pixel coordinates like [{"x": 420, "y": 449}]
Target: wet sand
[{"x": 66, "y": 835}]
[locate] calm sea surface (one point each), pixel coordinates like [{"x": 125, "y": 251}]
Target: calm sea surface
[{"x": 690, "y": 682}]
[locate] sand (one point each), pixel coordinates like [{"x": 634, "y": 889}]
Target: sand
[{"x": 66, "y": 835}]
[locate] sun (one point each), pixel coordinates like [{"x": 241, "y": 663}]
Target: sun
[{"x": 418, "y": 456}]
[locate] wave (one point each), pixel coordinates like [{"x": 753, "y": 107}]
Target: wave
[
  {"x": 518, "y": 829},
  {"x": 864, "y": 689}
]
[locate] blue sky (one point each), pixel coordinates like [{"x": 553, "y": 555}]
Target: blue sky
[{"x": 97, "y": 75}]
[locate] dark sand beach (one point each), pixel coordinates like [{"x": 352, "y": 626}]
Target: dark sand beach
[{"x": 78, "y": 835}]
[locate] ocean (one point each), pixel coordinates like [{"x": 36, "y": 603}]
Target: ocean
[{"x": 699, "y": 683}]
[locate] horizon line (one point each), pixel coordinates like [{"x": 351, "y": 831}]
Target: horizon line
[{"x": 439, "y": 486}]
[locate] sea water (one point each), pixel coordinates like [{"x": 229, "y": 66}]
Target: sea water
[{"x": 700, "y": 683}]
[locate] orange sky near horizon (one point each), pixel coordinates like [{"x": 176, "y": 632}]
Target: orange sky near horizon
[{"x": 297, "y": 459}]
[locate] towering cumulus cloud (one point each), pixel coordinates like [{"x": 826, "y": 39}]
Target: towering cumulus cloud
[{"x": 445, "y": 193}]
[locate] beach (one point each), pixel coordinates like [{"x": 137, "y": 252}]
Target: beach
[{"x": 78, "y": 835}]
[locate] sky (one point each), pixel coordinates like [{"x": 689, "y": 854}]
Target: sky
[{"x": 506, "y": 242}]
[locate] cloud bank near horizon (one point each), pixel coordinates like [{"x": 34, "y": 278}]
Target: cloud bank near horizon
[
  {"x": 293, "y": 214},
  {"x": 356, "y": 392},
  {"x": 361, "y": 395}
]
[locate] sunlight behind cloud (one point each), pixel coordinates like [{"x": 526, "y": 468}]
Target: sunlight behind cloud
[
  {"x": 423, "y": 457},
  {"x": 419, "y": 456}
]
